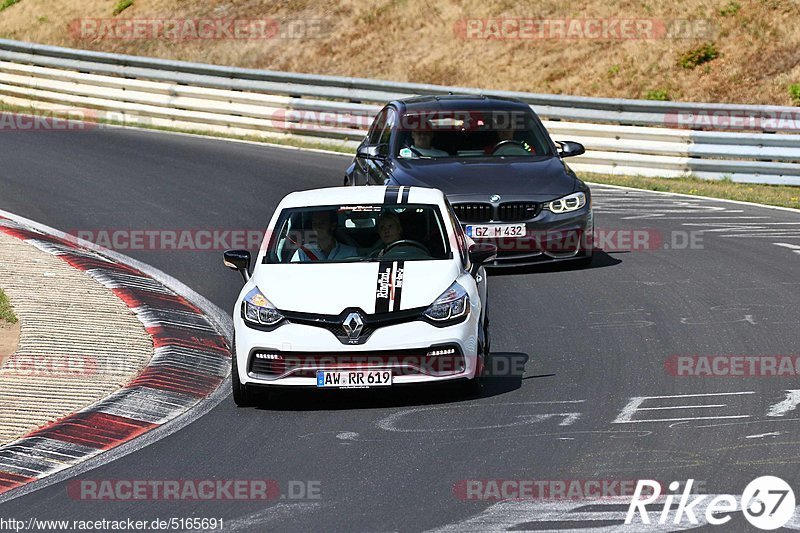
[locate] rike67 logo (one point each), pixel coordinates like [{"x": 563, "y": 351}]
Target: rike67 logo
[{"x": 767, "y": 502}]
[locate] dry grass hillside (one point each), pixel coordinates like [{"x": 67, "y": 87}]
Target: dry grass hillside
[{"x": 744, "y": 50}]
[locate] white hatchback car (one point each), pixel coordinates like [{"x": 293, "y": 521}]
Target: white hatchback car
[{"x": 357, "y": 288}]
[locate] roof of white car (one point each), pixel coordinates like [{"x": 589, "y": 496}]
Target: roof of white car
[{"x": 363, "y": 195}]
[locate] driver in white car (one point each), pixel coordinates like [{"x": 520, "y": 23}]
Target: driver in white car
[{"x": 390, "y": 230}]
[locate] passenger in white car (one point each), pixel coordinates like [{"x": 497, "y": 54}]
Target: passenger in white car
[{"x": 326, "y": 247}]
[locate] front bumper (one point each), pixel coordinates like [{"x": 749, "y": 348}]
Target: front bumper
[
  {"x": 297, "y": 351},
  {"x": 549, "y": 237}
]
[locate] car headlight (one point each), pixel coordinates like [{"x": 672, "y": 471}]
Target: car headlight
[
  {"x": 257, "y": 310},
  {"x": 452, "y": 306},
  {"x": 572, "y": 202}
]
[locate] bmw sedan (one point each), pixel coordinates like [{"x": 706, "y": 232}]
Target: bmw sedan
[
  {"x": 505, "y": 178},
  {"x": 360, "y": 288}
]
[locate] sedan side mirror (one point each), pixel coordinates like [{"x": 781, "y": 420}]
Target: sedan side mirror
[
  {"x": 374, "y": 151},
  {"x": 480, "y": 253},
  {"x": 238, "y": 260},
  {"x": 570, "y": 148}
]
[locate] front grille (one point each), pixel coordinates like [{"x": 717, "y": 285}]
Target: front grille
[
  {"x": 506, "y": 212},
  {"x": 474, "y": 212},
  {"x": 339, "y": 331},
  {"x": 518, "y": 211},
  {"x": 333, "y": 323},
  {"x": 401, "y": 362}
]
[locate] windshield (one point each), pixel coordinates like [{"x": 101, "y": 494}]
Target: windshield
[
  {"x": 357, "y": 233},
  {"x": 470, "y": 134}
]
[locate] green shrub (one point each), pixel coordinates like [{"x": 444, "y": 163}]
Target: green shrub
[
  {"x": 6, "y": 311},
  {"x": 657, "y": 94},
  {"x": 122, "y": 6},
  {"x": 794, "y": 92},
  {"x": 730, "y": 9},
  {"x": 698, "y": 55},
  {"x": 7, "y": 3}
]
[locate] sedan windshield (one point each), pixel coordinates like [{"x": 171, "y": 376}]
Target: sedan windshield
[
  {"x": 470, "y": 134},
  {"x": 357, "y": 233}
]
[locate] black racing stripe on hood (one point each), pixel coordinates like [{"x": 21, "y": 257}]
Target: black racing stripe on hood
[
  {"x": 396, "y": 195},
  {"x": 389, "y": 289},
  {"x": 390, "y": 196},
  {"x": 383, "y": 287},
  {"x": 398, "y": 283}
]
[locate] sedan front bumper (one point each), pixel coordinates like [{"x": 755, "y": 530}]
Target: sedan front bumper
[{"x": 549, "y": 237}]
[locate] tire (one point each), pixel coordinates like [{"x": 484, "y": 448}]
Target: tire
[
  {"x": 473, "y": 388},
  {"x": 487, "y": 339},
  {"x": 243, "y": 396},
  {"x": 586, "y": 260}
]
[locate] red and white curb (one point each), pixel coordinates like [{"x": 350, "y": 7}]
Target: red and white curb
[{"x": 191, "y": 360}]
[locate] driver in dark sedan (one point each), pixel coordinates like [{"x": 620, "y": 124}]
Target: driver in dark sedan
[{"x": 504, "y": 134}]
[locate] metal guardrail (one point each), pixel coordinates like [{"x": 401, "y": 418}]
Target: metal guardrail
[{"x": 621, "y": 136}]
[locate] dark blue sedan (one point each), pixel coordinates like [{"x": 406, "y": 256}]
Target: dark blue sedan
[{"x": 504, "y": 177}]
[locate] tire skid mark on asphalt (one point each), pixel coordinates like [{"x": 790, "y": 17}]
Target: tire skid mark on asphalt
[
  {"x": 754, "y": 314},
  {"x": 633, "y": 323},
  {"x": 566, "y": 418},
  {"x": 191, "y": 359}
]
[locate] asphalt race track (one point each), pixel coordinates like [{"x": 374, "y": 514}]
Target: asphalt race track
[{"x": 591, "y": 340}]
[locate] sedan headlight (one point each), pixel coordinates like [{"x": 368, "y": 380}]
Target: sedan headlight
[
  {"x": 451, "y": 307},
  {"x": 572, "y": 202},
  {"x": 257, "y": 310}
]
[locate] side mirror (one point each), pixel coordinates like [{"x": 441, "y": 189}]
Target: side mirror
[
  {"x": 374, "y": 151},
  {"x": 570, "y": 148},
  {"x": 238, "y": 260},
  {"x": 480, "y": 253}
]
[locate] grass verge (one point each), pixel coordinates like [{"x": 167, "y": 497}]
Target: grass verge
[
  {"x": 6, "y": 311},
  {"x": 779, "y": 195}
]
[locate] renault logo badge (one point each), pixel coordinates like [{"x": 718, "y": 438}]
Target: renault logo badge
[{"x": 353, "y": 325}]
